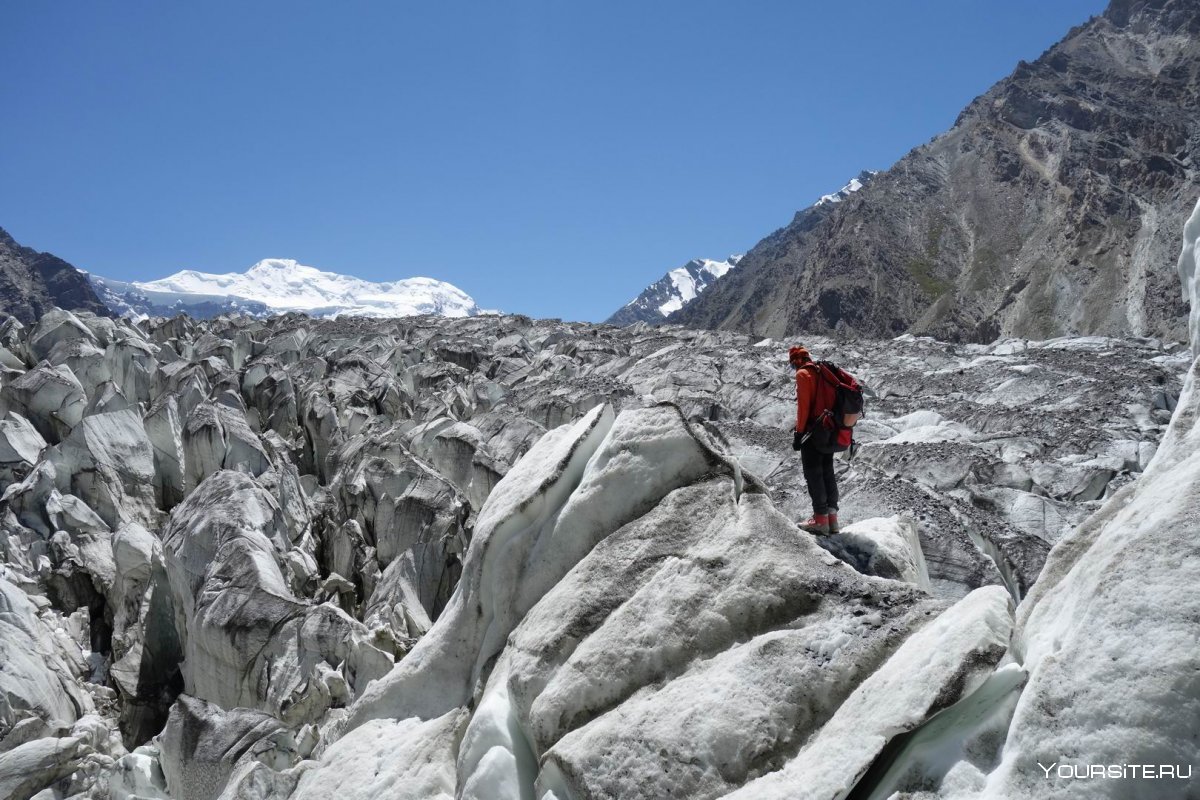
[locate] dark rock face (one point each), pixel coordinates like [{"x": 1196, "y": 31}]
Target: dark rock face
[
  {"x": 31, "y": 283},
  {"x": 1052, "y": 207}
]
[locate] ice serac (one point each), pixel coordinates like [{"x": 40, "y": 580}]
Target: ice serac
[
  {"x": 35, "y": 681},
  {"x": 940, "y": 664},
  {"x": 202, "y": 745},
  {"x": 164, "y": 428},
  {"x": 696, "y": 647},
  {"x": 499, "y": 574},
  {"x": 27, "y": 768},
  {"x": 108, "y": 462},
  {"x": 886, "y": 548},
  {"x": 145, "y": 648},
  {"x": 55, "y": 327},
  {"x": 50, "y": 397},
  {"x": 1109, "y": 631},
  {"x": 555, "y": 511},
  {"x": 413, "y": 517},
  {"x": 216, "y": 437},
  {"x": 20, "y": 446},
  {"x": 406, "y": 760},
  {"x": 247, "y": 640}
]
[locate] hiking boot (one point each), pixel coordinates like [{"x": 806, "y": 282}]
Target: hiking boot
[
  {"x": 819, "y": 524},
  {"x": 833, "y": 523}
]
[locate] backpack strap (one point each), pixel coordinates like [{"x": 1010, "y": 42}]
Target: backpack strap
[{"x": 832, "y": 373}]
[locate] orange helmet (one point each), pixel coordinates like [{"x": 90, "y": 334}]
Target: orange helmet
[{"x": 798, "y": 356}]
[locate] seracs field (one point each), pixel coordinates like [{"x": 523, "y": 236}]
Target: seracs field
[{"x": 495, "y": 557}]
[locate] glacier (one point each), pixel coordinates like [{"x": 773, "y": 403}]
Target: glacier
[
  {"x": 497, "y": 557},
  {"x": 1110, "y": 627}
]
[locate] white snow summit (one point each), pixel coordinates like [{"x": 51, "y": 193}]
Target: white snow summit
[
  {"x": 673, "y": 291},
  {"x": 283, "y": 285}
]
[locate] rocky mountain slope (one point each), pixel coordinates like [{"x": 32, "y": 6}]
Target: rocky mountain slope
[
  {"x": 672, "y": 291},
  {"x": 1052, "y": 207},
  {"x": 681, "y": 286},
  {"x": 278, "y": 286},
  {"x": 31, "y": 283},
  {"x": 497, "y": 557}
]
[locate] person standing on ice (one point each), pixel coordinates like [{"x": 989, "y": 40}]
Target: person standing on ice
[{"x": 829, "y": 402}]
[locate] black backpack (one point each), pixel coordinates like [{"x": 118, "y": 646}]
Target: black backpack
[{"x": 848, "y": 402}]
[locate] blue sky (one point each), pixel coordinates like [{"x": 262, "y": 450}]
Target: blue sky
[{"x": 549, "y": 158}]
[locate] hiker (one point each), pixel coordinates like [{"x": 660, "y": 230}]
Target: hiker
[{"x": 828, "y": 404}]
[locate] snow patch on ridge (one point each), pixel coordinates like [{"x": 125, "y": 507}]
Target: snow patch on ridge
[{"x": 856, "y": 183}]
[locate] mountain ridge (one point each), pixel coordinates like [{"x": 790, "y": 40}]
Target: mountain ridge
[
  {"x": 682, "y": 285},
  {"x": 33, "y": 282},
  {"x": 1050, "y": 208},
  {"x": 282, "y": 285}
]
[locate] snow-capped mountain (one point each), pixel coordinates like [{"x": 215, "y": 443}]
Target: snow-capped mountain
[
  {"x": 673, "y": 291},
  {"x": 280, "y": 285}
]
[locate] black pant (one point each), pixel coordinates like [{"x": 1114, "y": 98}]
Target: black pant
[{"x": 822, "y": 482}]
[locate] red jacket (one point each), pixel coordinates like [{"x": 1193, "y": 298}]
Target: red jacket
[{"x": 806, "y": 389}]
